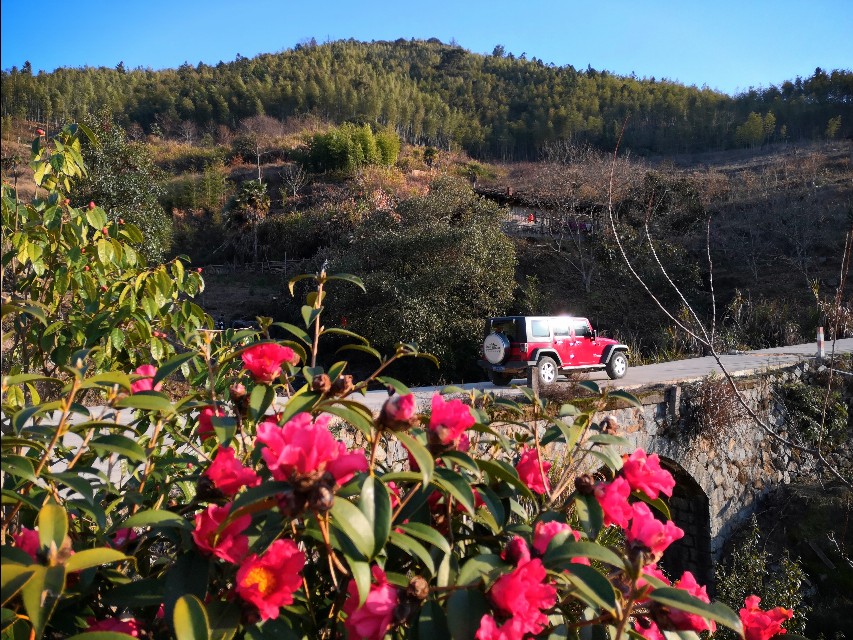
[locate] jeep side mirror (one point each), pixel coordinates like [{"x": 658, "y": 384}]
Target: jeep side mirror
[{"x": 594, "y": 335}]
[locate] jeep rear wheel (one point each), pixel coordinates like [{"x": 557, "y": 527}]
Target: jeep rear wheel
[
  {"x": 500, "y": 379},
  {"x": 618, "y": 365},
  {"x": 546, "y": 370}
]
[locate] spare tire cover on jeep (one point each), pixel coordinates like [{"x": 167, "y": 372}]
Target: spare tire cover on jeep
[{"x": 496, "y": 348}]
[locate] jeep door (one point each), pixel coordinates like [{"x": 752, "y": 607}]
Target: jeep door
[
  {"x": 585, "y": 350},
  {"x": 562, "y": 331}
]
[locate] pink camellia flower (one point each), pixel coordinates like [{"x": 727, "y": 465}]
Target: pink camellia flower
[
  {"x": 122, "y": 537},
  {"x": 228, "y": 474},
  {"x": 524, "y": 594},
  {"x": 302, "y": 447},
  {"x": 513, "y": 629},
  {"x": 545, "y": 532},
  {"x": 398, "y": 412},
  {"x": 264, "y": 360},
  {"x": 371, "y": 620},
  {"x": 128, "y": 626},
  {"x": 613, "y": 498},
  {"x": 393, "y": 494},
  {"x": 648, "y": 629},
  {"x": 229, "y": 544},
  {"x": 684, "y": 621},
  {"x": 27, "y": 540},
  {"x": 449, "y": 419},
  {"x": 205, "y": 421},
  {"x": 762, "y": 625},
  {"x": 146, "y": 382},
  {"x": 530, "y": 473},
  {"x": 644, "y": 474},
  {"x": 653, "y": 534},
  {"x": 269, "y": 581},
  {"x": 516, "y": 552},
  {"x": 654, "y": 571}
]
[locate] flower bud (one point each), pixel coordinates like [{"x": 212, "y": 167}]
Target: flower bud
[
  {"x": 585, "y": 484},
  {"x": 206, "y": 491},
  {"x": 398, "y": 412},
  {"x": 91, "y": 205},
  {"x": 321, "y": 498},
  {"x": 237, "y": 391},
  {"x": 418, "y": 588},
  {"x": 609, "y": 425},
  {"x": 342, "y": 386},
  {"x": 321, "y": 383}
]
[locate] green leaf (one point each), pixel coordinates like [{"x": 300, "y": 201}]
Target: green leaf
[
  {"x": 190, "y": 619},
  {"x": 413, "y": 548},
  {"x": 361, "y": 574},
  {"x": 52, "y": 525},
  {"x": 484, "y": 568},
  {"x": 353, "y": 416},
  {"x": 680, "y": 599},
  {"x": 122, "y": 445},
  {"x": 224, "y": 427},
  {"x": 349, "y": 520},
  {"x": 13, "y": 578},
  {"x": 399, "y": 387},
  {"x": 464, "y": 610},
  {"x": 296, "y": 331},
  {"x": 421, "y": 455},
  {"x": 563, "y": 549},
  {"x": 19, "y": 466},
  {"x": 172, "y": 364},
  {"x": 657, "y": 503},
  {"x": 627, "y": 397},
  {"x": 146, "y": 401},
  {"x": 189, "y": 575},
  {"x": 425, "y": 533},
  {"x": 107, "y": 379},
  {"x": 375, "y": 504},
  {"x": 345, "y": 332},
  {"x": 348, "y": 278},
  {"x": 99, "y": 635},
  {"x": 432, "y": 623},
  {"x": 40, "y": 595},
  {"x": 590, "y": 515},
  {"x": 592, "y": 587},
  {"x": 361, "y": 347},
  {"x": 155, "y": 518},
  {"x": 590, "y": 385},
  {"x": 310, "y": 314},
  {"x": 35, "y": 310},
  {"x": 147, "y": 592},
  {"x": 500, "y": 470},
  {"x": 224, "y": 618},
  {"x": 260, "y": 400},
  {"x": 299, "y": 403},
  {"x": 457, "y": 486},
  {"x": 93, "y": 558}
]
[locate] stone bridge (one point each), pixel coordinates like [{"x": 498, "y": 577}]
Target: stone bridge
[{"x": 723, "y": 462}]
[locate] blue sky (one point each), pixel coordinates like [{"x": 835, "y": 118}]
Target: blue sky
[{"x": 724, "y": 44}]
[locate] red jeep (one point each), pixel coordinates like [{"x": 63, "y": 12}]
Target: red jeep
[{"x": 547, "y": 346}]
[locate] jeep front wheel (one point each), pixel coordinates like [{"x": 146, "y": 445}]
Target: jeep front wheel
[
  {"x": 547, "y": 371},
  {"x": 618, "y": 365},
  {"x": 500, "y": 379}
]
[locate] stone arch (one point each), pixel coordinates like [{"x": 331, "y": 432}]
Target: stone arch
[{"x": 690, "y": 510}]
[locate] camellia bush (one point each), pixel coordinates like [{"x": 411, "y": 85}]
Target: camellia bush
[{"x": 268, "y": 502}]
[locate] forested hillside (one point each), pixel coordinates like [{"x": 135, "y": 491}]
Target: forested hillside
[{"x": 492, "y": 106}]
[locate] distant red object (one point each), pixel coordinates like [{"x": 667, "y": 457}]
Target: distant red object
[{"x": 531, "y": 218}]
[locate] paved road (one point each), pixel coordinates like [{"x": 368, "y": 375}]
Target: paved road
[{"x": 664, "y": 373}]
